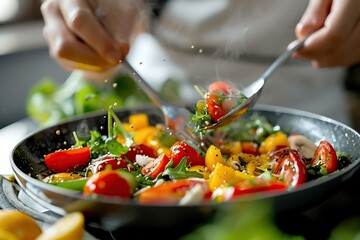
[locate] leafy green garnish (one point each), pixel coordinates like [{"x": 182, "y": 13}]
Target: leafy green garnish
[
  {"x": 76, "y": 184},
  {"x": 97, "y": 144},
  {"x": 115, "y": 147},
  {"x": 118, "y": 128},
  {"x": 180, "y": 171},
  {"x": 255, "y": 128},
  {"x": 201, "y": 118}
]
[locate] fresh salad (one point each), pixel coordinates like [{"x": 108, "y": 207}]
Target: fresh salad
[
  {"x": 145, "y": 163},
  {"x": 218, "y": 100}
]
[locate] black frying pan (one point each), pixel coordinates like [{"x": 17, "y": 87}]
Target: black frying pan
[{"x": 109, "y": 214}]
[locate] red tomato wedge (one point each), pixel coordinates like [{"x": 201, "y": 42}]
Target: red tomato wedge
[
  {"x": 254, "y": 186},
  {"x": 250, "y": 148},
  {"x": 108, "y": 183},
  {"x": 180, "y": 149},
  {"x": 325, "y": 156},
  {"x": 109, "y": 161},
  {"x": 217, "y": 103},
  {"x": 155, "y": 166},
  {"x": 141, "y": 149},
  {"x": 171, "y": 191},
  {"x": 290, "y": 166},
  {"x": 68, "y": 160}
]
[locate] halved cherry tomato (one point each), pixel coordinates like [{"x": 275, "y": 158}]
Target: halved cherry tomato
[
  {"x": 108, "y": 183},
  {"x": 290, "y": 166},
  {"x": 325, "y": 156},
  {"x": 217, "y": 103},
  {"x": 155, "y": 166},
  {"x": 171, "y": 191},
  {"x": 115, "y": 163},
  {"x": 256, "y": 185},
  {"x": 141, "y": 149},
  {"x": 68, "y": 160},
  {"x": 180, "y": 149}
]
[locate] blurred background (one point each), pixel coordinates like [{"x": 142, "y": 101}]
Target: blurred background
[{"x": 24, "y": 57}]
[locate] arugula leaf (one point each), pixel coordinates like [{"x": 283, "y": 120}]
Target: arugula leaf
[
  {"x": 97, "y": 144},
  {"x": 119, "y": 128},
  {"x": 200, "y": 118},
  {"x": 254, "y": 128},
  {"x": 143, "y": 181},
  {"x": 115, "y": 147},
  {"x": 76, "y": 184},
  {"x": 78, "y": 141},
  {"x": 180, "y": 171}
]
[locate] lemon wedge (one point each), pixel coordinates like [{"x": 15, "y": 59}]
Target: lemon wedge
[
  {"x": 19, "y": 225},
  {"x": 7, "y": 235},
  {"x": 69, "y": 227}
]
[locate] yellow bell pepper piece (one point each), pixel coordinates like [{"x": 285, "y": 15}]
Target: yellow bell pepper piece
[
  {"x": 153, "y": 141},
  {"x": 221, "y": 176},
  {"x": 236, "y": 147},
  {"x": 243, "y": 176},
  {"x": 276, "y": 139},
  {"x": 201, "y": 169},
  {"x": 224, "y": 176},
  {"x": 141, "y": 135},
  {"x": 138, "y": 121},
  {"x": 250, "y": 167},
  {"x": 212, "y": 157}
]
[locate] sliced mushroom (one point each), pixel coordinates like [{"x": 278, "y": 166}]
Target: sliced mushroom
[{"x": 305, "y": 146}]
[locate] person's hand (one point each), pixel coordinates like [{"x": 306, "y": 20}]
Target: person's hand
[
  {"x": 90, "y": 34},
  {"x": 334, "y": 26}
]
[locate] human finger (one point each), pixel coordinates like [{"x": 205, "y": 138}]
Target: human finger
[
  {"x": 332, "y": 39},
  {"x": 82, "y": 21},
  {"x": 338, "y": 27},
  {"x": 344, "y": 55},
  {"x": 63, "y": 44}
]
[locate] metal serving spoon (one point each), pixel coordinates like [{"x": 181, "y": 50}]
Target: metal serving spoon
[
  {"x": 253, "y": 91},
  {"x": 176, "y": 118}
]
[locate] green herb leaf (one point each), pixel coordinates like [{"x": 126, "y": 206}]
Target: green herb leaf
[
  {"x": 115, "y": 147},
  {"x": 119, "y": 128},
  {"x": 180, "y": 171},
  {"x": 77, "y": 184}
]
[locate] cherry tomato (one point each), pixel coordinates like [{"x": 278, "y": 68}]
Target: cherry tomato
[
  {"x": 115, "y": 163},
  {"x": 250, "y": 148},
  {"x": 108, "y": 183},
  {"x": 217, "y": 103},
  {"x": 171, "y": 191},
  {"x": 68, "y": 160},
  {"x": 141, "y": 149},
  {"x": 156, "y": 166},
  {"x": 325, "y": 156},
  {"x": 180, "y": 149},
  {"x": 253, "y": 186},
  {"x": 290, "y": 166}
]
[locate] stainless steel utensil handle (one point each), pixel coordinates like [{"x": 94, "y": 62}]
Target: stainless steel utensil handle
[
  {"x": 150, "y": 92},
  {"x": 281, "y": 59}
]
